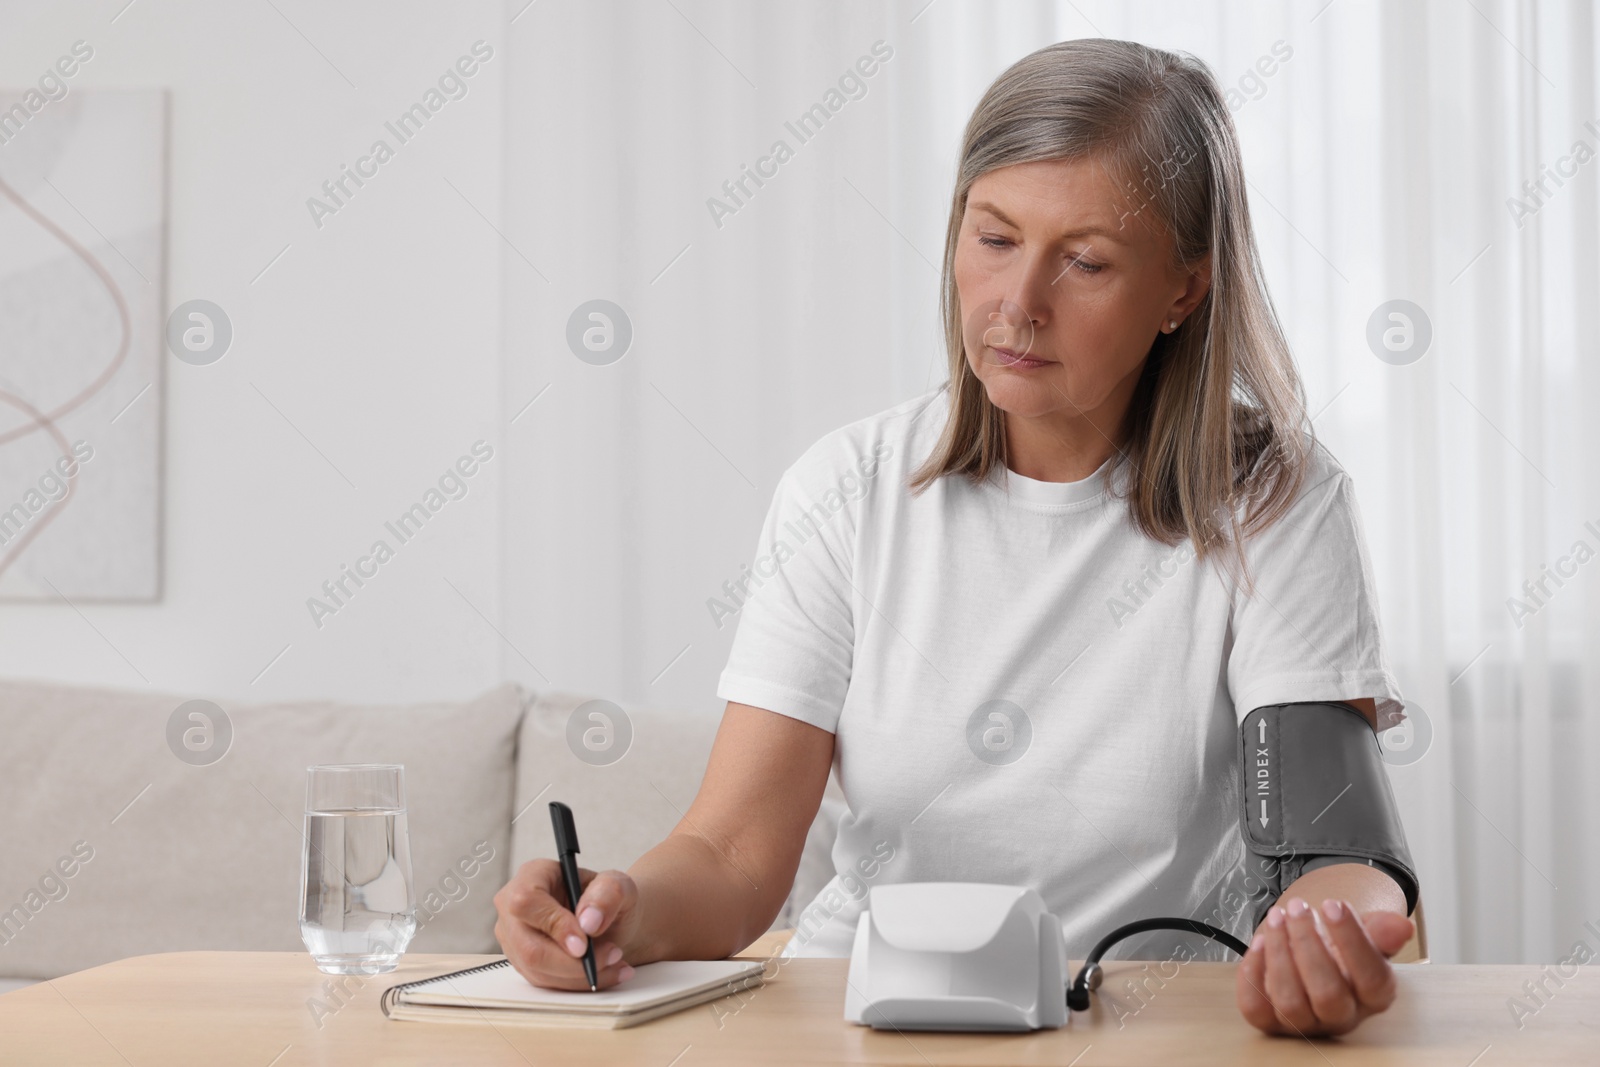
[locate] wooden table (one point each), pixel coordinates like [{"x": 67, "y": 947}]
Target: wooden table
[{"x": 251, "y": 1009}]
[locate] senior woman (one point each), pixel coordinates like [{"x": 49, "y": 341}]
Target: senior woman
[{"x": 1023, "y": 615}]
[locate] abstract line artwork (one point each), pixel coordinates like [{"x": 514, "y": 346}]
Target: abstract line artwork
[{"x": 82, "y": 255}]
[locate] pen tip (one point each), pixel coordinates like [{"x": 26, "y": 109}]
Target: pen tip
[{"x": 593, "y": 988}]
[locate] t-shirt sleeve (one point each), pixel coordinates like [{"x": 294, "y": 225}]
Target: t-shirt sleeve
[
  {"x": 793, "y": 647},
  {"x": 1311, "y": 630}
]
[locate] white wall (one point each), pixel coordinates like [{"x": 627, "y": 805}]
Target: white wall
[
  {"x": 619, "y": 502},
  {"x": 646, "y": 480},
  {"x": 377, "y": 335}
]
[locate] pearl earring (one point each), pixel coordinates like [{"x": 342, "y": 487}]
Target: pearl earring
[{"x": 1172, "y": 324}]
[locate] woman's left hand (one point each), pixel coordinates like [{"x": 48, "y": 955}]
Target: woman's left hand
[{"x": 1300, "y": 980}]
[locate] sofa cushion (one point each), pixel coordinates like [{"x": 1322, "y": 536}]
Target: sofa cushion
[
  {"x": 636, "y": 777},
  {"x": 167, "y": 855},
  {"x": 629, "y": 781}
]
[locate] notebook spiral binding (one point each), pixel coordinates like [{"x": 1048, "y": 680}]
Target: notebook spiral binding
[{"x": 389, "y": 994}]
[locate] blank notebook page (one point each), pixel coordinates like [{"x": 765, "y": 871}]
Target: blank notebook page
[{"x": 651, "y": 984}]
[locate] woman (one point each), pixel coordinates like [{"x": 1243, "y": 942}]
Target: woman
[{"x": 1024, "y": 614}]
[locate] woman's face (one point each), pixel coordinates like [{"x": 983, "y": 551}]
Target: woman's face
[{"x": 1064, "y": 283}]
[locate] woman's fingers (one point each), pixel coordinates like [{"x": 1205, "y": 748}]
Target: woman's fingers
[
  {"x": 1282, "y": 985},
  {"x": 543, "y": 938},
  {"x": 1371, "y": 973},
  {"x": 1250, "y": 988},
  {"x": 604, "y": 898},
  {"x": 1387, "y": 931},
  {"x": 1303, "y": 977},
  {"x": 544, "y": 963},
  {"x": 1329, "y": 992},
  {"x": 536, "y": 895}
]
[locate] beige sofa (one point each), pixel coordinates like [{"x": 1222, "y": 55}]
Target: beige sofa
[{"x": 114, "y": 845}]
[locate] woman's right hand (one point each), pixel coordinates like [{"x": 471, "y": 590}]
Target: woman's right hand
[{"x": 545, "y": 941}]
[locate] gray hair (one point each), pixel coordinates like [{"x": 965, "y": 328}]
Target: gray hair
[{"x": 1218, "y": 439}]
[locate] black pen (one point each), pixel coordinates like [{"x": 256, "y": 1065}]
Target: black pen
[{"x": 567, "y": 851}]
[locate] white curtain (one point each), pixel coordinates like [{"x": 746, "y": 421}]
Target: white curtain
[{"x": 1387, "y": 147}]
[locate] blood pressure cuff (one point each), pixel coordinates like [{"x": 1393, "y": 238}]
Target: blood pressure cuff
[{"x": 1315, "y": 793}]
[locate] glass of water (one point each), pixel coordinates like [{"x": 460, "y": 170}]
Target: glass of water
[{"x": 357, "y": 913}]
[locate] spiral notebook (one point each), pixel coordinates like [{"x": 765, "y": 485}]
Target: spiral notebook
[{"x": 495, "y": 993}]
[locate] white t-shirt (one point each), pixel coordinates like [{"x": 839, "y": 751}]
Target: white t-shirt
[{"x": 1025, "y": 689}]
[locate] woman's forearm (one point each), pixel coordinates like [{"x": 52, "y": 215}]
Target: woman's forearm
[
  {"x": 1363, "y": 888},
  {"x": 721, "y": 876},
  {"x": 695, "y": 902}
]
